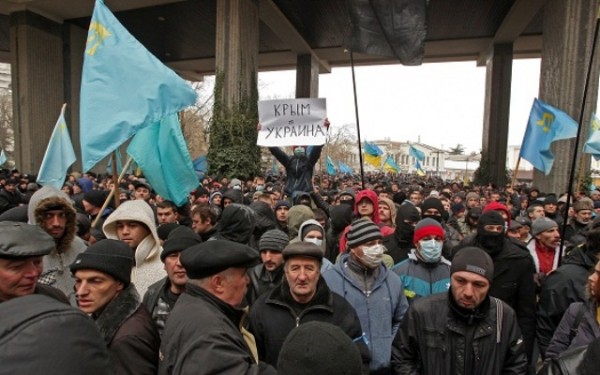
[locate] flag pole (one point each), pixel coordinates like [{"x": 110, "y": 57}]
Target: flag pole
[
  {"x": 116, "y": 178},
  {"x": 111, "y": 193},
  {"x": 582, "y": 166},
  {"x": 581, "y": 115},
  {"x": 362, "y": 172},
  {"x": 514, "y": 177}
]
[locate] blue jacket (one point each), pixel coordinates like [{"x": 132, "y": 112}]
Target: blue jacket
[
  {"x": 422, "y": 279},
  {"x": 380, "y": 312}
]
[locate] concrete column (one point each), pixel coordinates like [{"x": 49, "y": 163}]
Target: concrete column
[
  {"x": 237, "y": 48},
  {"x": 568, "y": 35},
  {"x": 36, "y": 45},
  {"x": 497, "y": 109},
  {"x": 307, "y": 77}
]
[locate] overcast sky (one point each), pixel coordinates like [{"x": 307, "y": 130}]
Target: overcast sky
[{"x": 441, "y": 103}]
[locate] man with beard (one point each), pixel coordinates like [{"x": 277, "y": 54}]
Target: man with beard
[
  {"x": 269, "y": 273},
  {"x": 583, "y": 215},
  {"x": 514, "y": 269},
  {"x": 400, "y": 242},
  {"x": 544, "y": 247},
  {"x": 160, "y": 298},
  {"x": 52, "y": 210}
]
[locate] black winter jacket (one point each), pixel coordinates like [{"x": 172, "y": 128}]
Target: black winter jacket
[
  {"x": 435, "y": 340},
  {"x": 202, "y": 336},
  {"x": 298, "y": 170},
  {"x": 262, "y": 281},
  {"x": 560, "y": 289},
  {"x": 272, "y": 318},
  {"x": 586, "y": 331}
]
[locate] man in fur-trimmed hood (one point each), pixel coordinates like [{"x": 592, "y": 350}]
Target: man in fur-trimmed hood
[{"x": 53, "y": 211}]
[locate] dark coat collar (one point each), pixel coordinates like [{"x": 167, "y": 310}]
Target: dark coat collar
[{"x": 124, "y": 305}]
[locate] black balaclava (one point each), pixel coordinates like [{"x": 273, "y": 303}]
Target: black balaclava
[
  {"x": 436, "y": 204},
  {"x": 410, "y": 213},
  {"x": 491, "y": 242}
]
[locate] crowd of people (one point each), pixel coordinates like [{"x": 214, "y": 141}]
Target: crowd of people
[{"x": 298, "y": 274}]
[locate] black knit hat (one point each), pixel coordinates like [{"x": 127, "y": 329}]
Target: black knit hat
[
  {"x": 432, "y": 203},
  {"x": 163, "y": 230},
  {"x": 112, "y": 257},
  {"x": 95, "y": 197},
  {"x": 273, "y": 240},
  {"x": 179, "y": 239},
  {"x": 473, "y": 259},
  {"x": 319, "y": 348},
  {"x": 362, "y": 231}
]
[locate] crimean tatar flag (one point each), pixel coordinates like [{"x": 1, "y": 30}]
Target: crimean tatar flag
[
  {"x": 59, "y": 155},
  {"x": 546, "y": 124},
  {"x": 123, "y": 88},
  {"x": 592, "y": 146}
]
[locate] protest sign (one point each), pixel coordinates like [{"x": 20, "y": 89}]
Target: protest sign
[{"x": 290, "y": 122}]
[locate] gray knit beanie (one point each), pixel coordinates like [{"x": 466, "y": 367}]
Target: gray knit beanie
[
  {"x": 273, "y": 240},
  {"x": 362, "y": 231},
  {"x": 542, "y": 224}
]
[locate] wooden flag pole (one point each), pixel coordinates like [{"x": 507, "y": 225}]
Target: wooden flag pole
[
  {"x": 582, "y": 165},
  {"x": 111, "y": 193},
  {"x": 116, "y": 179},
  {"x": 360, "y": 157}
]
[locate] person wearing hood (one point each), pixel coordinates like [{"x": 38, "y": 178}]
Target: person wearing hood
[
  {"x": 400, "y": 242},
  {"x": 375, "y": 292},
  {"x": 366, "y": 206},
  {"x": 297, "y": 215},
  {"x": 265, "y": 218},
  {"x": 231, "y": 196},
  {"x": 237, "y": 224},
  {"x": 566, "y": 285},
  {"x": 133, "y": 223},
  {"x": 434, "y": 209},
  {"x": 387, "y": 212},
  {"x": 341, "y": 216},
  {"x": 53, "y": 211},
  {"x": 426, "y": 271},
  {"x": 513, "y": 280},
  {"x": 301, "y": 197}
]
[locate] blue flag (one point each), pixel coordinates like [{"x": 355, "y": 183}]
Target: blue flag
[
  {"x": 200, "y": 166},
  {"x": 123, "y": 88},
  {"x": 390, "y": 165},
  {"x": 546, "y": 124},
  {"x": 119, "y": 163},
  {"x": 345, "y": 168},
  {"x": 417, "y": 154},
  {"x": 2, "y": 157},
  {"x": 419, "y": 169},
  {"x": 162, "y": 154},
  {"x": 59, "y": 155},
  {"x": 330, "y": 166},
  {"x": 373, "y": 154},
  {"x": 592, "y": 146}
]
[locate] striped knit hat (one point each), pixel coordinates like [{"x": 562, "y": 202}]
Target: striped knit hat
[
  {"x": 362, "y": 231},
  {"x": 273, "y": 240}
]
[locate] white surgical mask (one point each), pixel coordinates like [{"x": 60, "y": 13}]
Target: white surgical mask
[
  {"x": 260, "y": 187},
  {"x": 237, "y": 187},
  {"x": 316, "y": 241},
  {"x": 372, "y": 256},
  {"x": 431, "y": 250}
]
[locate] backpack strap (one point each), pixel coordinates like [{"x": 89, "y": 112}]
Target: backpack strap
[{"x": 499, "y": 319}]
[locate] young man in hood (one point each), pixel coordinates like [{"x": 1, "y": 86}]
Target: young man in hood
[
  {"x": 133, "y": 223},
  {"x": 53, "y": 211}
]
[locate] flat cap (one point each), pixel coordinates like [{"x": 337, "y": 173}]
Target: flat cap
[
  {"x": 213, "y": 256},
  {"x": 20, "y": 240},
  {"x": 304, "y": 249}
]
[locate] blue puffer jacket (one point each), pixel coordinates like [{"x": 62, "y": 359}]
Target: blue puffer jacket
[
  {"x": 380, "y": 312},
  {"x": 422, "y": 279}
]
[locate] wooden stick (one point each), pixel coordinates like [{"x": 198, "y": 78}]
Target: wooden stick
[
  {"x": 111, "y": 194},
  {"x": 514, "y": 177}
]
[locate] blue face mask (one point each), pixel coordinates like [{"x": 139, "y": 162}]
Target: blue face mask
[
  {"x": 299, "y": 151},
  {"x": 430, "y": 251}
]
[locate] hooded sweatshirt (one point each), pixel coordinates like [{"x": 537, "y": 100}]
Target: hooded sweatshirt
[
  {"x": 56, "y": 264},
  {"x": 148, "y": 266}
]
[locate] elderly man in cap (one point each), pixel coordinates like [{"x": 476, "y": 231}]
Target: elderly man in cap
[
  {"x": 104, "y": 291},
  {"x": 303, "y": 296},
  {"x": 583, "y": 215},
  {"x": 53, "y": 211},
  {"x": 161, "y": 296},
  {"x": 544, "y": 247},
  {"x": 204, "y": 333},
  {"x": 464, "y": 331},
  {"x": 22, "y": 247},
  {"x": 375, "y": 292}
]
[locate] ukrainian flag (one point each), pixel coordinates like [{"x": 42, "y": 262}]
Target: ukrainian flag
[
  {"x": 390, "y": 165},
  {"x": 373, "y": 154}
]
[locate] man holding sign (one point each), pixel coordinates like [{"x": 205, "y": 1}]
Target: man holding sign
[{"x": 294, "y": 122}]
